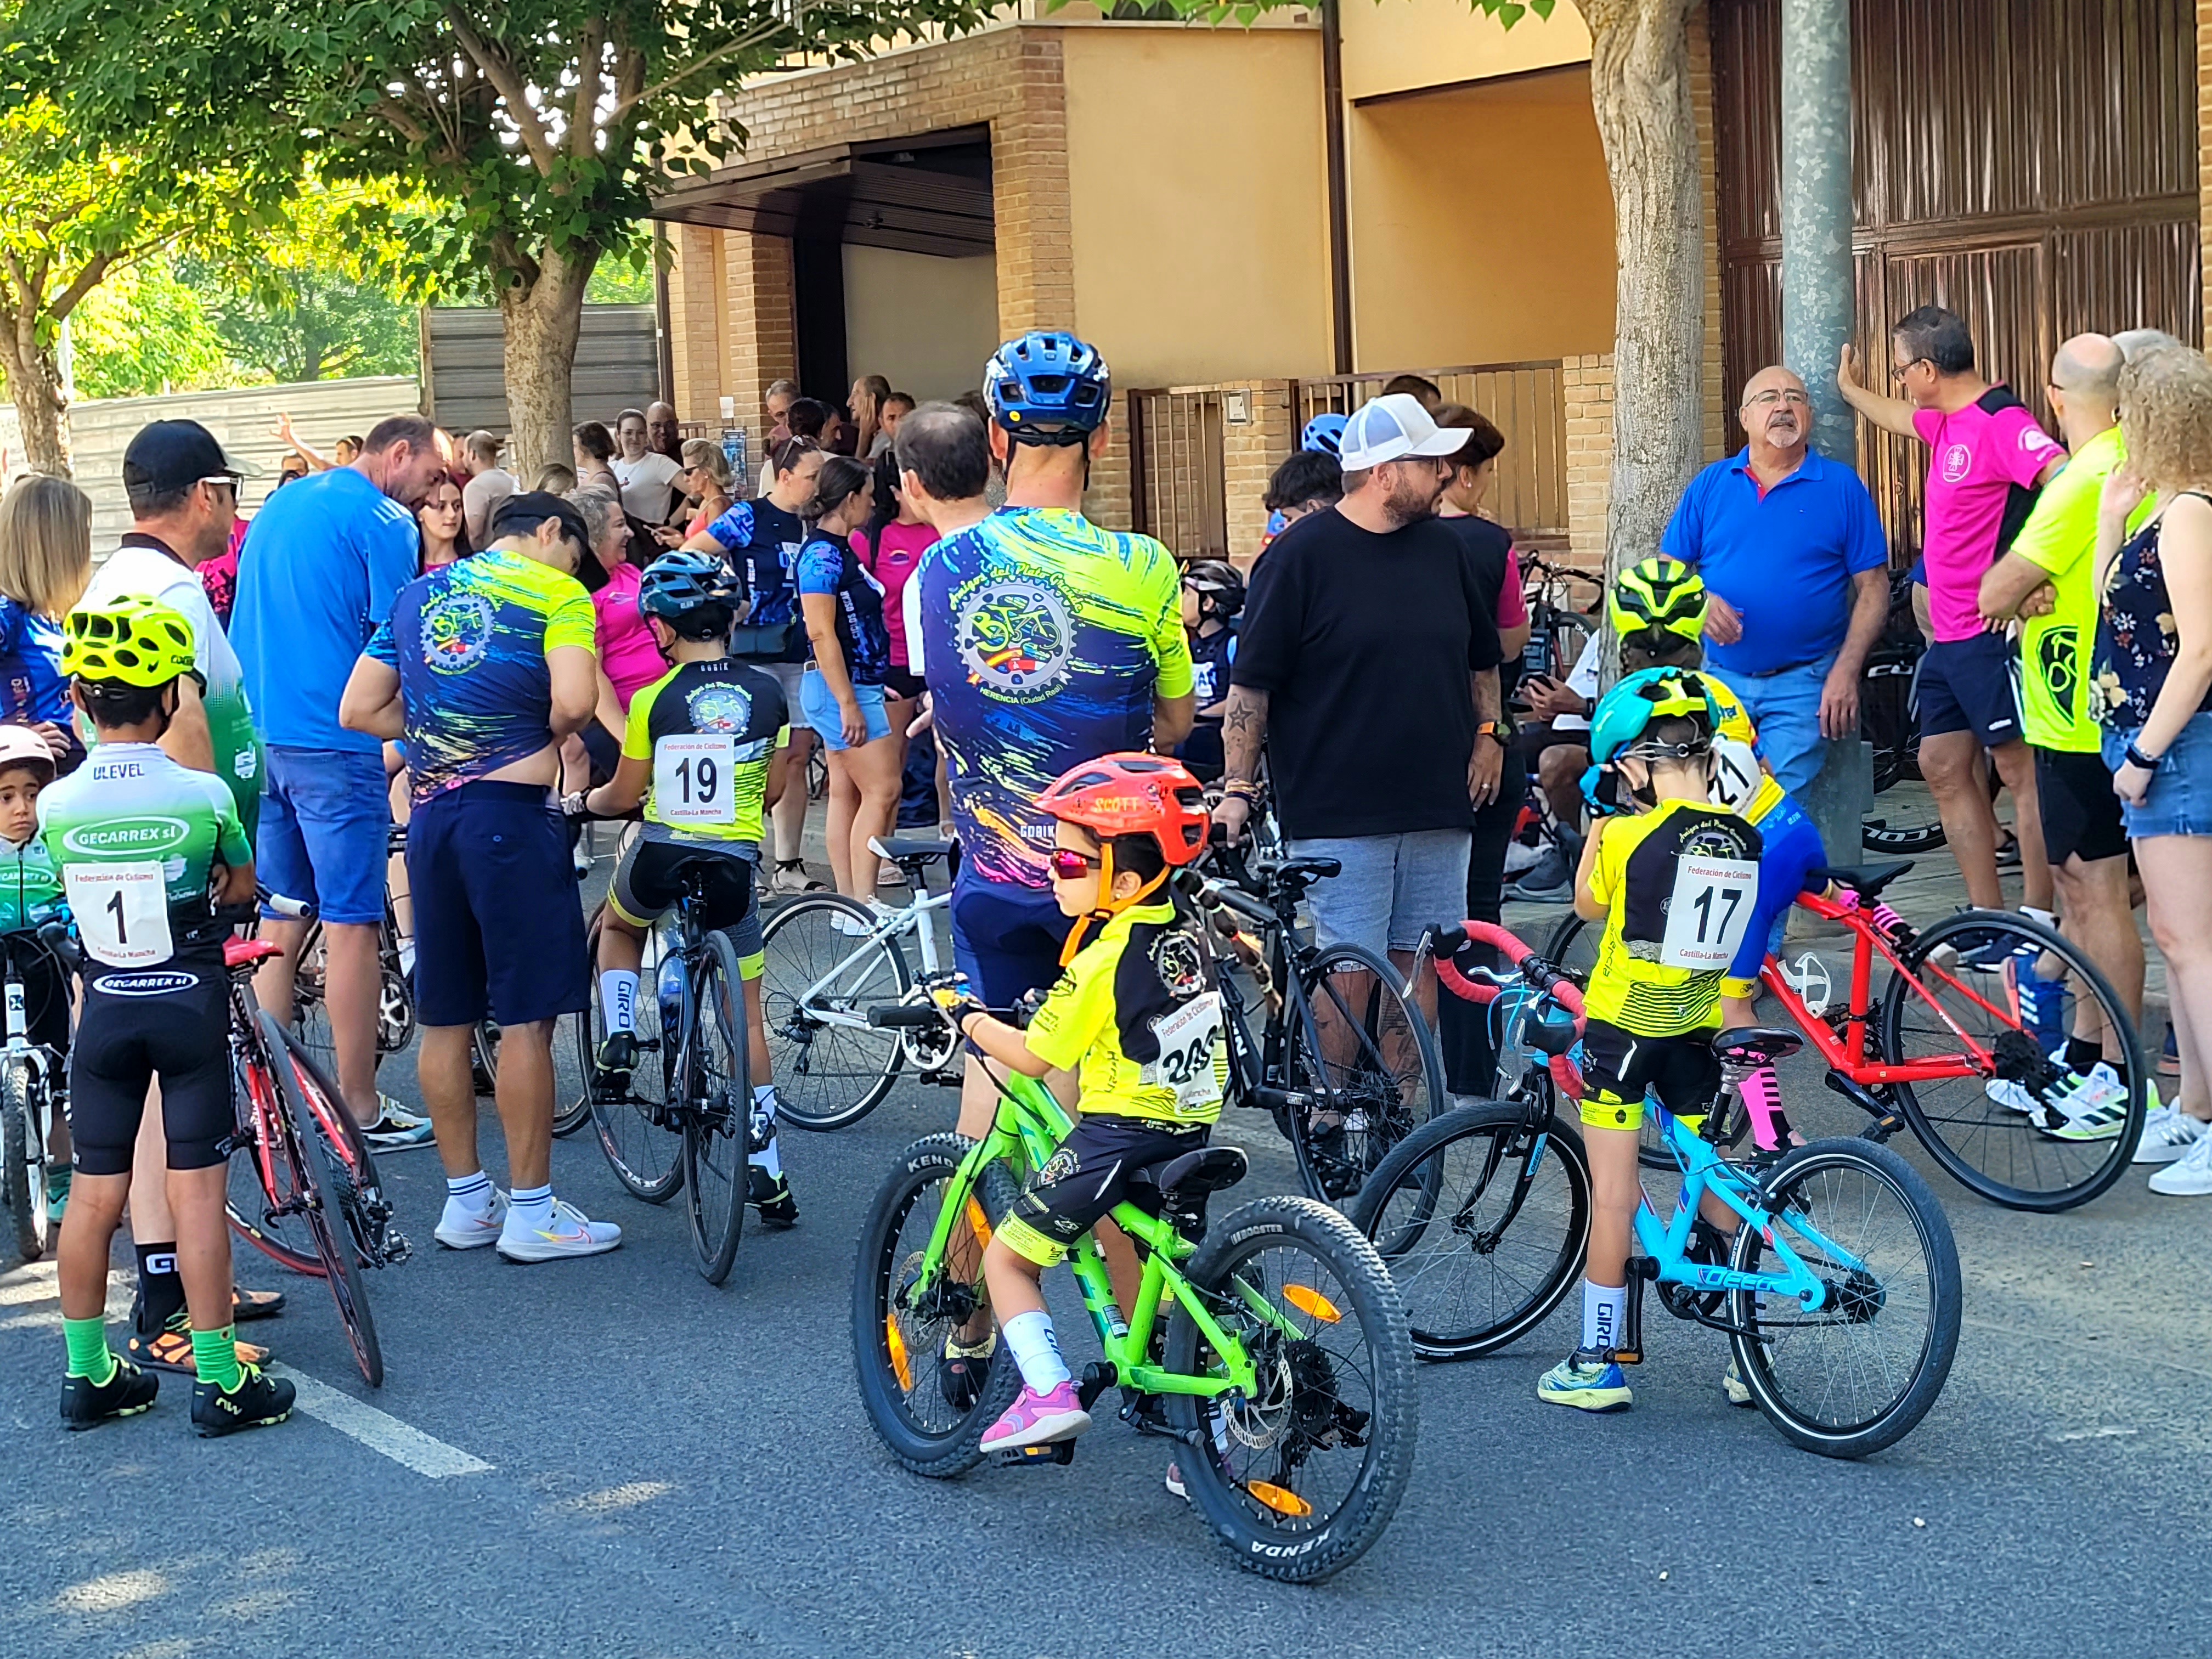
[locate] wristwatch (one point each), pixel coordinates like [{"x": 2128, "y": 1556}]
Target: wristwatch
[{"x": 1501, "y": 730}]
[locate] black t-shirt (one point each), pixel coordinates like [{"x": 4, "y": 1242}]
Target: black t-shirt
[
  {"x": 1211, "y": 656},
  {"x": 1364, "y": 643},
  {"x": 1490, "y": 547}
]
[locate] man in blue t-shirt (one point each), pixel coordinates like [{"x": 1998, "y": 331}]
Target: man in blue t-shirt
[
  {"x": 1793, "y": 557},
  {"x": 322, "y": 561}
]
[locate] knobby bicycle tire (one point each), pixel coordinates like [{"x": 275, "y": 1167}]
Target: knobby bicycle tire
[
  {"x": 1467, "y": 1222},
  {"x": 946, "y": 1445},
  {"x": 22, "y": 1166},
  {"x": 1984, "y": 1145},
  {"x": 1341, "y": 1053},
  {"x": 717, "y": 1111},
  {"x": 333, "y": 1190},
  {"x": 829, "y": 1077}
]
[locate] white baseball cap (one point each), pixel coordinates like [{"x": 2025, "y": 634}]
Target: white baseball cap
[{"x": 1392, "y": 426}]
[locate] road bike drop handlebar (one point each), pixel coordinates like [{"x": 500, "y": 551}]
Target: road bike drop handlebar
[{"x": 1445, "y": 941}]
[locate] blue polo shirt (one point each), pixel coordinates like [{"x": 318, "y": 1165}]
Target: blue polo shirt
[{"x": 1784, "y": 559}]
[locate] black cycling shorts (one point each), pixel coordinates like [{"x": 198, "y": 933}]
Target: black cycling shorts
[
  {"x": 650, "y": 879},
  {"x": 1619, "y": 1066},
  {"x": 2080, "y": 814},
  {"x": 1085, "y": 1178},
  {"x": 171, "y": 1022}
]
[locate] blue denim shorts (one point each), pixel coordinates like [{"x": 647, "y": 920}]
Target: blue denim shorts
[
  {"x": 1392, "y": 888},
  {"x": 324, "y": 819},
  {"x": 822, "y": 714},
  {"x": 2180, "y": 799}
]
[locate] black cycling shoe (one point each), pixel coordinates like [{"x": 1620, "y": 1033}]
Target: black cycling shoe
[
  {"x": 258, "y": 1400},
  {"x": 616, "y": 1060},
  {"x": 961, "y": 1376},
  {"x": 87, "y": 1404},
  {"x": 771, "y": 1196}
]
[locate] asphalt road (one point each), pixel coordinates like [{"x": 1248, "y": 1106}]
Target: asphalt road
[{"x": 624, "y": 1461}]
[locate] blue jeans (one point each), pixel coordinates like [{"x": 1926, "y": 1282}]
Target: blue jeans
[
  {"x": 1785, "y": 707},
  {"x": 323, "y": 822}
]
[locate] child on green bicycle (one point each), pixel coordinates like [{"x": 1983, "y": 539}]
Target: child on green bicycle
[
  {"x": 704, "y": 752},
  {"x": 1673, "y": 878},
  {"x": 1135, "y": 1017}
]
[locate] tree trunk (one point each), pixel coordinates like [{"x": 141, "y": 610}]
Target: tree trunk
[
  {"x": 34, "y": 384},
  {"x": 1640, "y": 88},
  {"x": 542, "y": 320}
]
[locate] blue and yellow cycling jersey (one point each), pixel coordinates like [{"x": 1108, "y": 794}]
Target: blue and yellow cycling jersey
[
  {"x": 470, "y": 641},
  {"x": 1679, "y": 886},
  {"x": 1044, "y": 641},
  {"x": 827, "y": 566},
  {"x": 711, "y": 731}
]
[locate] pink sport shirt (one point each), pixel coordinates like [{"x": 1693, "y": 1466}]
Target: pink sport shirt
[{"x": 1980, "y": 457}]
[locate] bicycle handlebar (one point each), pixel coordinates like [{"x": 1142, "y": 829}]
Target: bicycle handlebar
[
  {"x": 1446, "y": 941},
  {"x": 1214, "y": 895},
  {"x": 297, "y": 909},
  {"x": 905, "y": 1016}
]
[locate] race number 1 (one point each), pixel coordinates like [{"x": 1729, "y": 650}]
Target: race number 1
[
  {"x": 121, "y": 912},
  {"x": 692, "y": 779},
  {"x": 1709, "y": 913}
]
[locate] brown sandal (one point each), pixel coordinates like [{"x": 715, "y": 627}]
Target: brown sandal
[{"x": 170, "y": 1350}]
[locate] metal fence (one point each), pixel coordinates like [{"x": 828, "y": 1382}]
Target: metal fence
[{"x": 1177, "y": 488}]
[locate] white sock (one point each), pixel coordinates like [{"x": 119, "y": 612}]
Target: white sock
[
  {"x": 472, "y": 1193},
  {"x": 533, "y": 1205},
  {"x": 619, "y": 999},
  {"x": 768, "y": 1157},
  {"x": 2048, "y": 918},
  {"x": 1601, "y": 1306},
  {"x": 1036, "y": 1347}
]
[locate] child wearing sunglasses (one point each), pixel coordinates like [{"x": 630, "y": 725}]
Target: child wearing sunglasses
[{"x": 1135, "y": 1016}]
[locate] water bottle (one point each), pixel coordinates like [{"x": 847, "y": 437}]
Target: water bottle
[{"x": 671, "y": 985}]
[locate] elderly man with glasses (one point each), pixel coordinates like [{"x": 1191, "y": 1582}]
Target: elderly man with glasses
[{"x": 1793, "y": 557}]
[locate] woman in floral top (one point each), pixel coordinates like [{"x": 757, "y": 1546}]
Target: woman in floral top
[{"x": 2153, "y": 682}]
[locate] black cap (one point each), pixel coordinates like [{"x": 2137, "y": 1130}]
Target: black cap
[
  {"x": 520, "y": 515},
  {"x": 173, "y": 455}
]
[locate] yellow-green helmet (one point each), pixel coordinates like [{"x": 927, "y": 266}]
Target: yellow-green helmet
[
  {"x": 1660, "y": 593},
  {"x": 133, "y": 640}
]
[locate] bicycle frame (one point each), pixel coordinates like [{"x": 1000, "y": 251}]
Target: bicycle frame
[
  {"x": 1030, "y": 1124},
  {"x": 1847, "y": 1052},
  {"x": 912, "y": 918}
]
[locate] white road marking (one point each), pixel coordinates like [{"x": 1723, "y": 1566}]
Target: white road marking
[
  {"x": 379, "y": 1431},
  {"x": 2108, "y": 1433}
]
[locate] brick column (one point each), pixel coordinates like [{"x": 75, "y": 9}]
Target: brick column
[
  {"x": 695, "y": 320},
  {"x": 1250, "y": 455},
  {"x": 759, "y": 332},
  {"x": 1029, "y": 199},
  {"x": 1701, "y": 112},
  {"x": 1587, "y": 385}
]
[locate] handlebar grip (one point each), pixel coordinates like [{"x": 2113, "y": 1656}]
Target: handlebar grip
[
  {"x": 1467, "y": 990},
  {"x": 297, "y": 909},
  {"x": 908, "y": 1016}
]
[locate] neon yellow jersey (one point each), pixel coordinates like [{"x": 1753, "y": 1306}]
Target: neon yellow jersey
[
  {"x": 1678, "y": 884},
  {"x": 1765, "y": 794},
  {"x": 1135, "y": 1018},
  {"x": 711, "y": 730}
]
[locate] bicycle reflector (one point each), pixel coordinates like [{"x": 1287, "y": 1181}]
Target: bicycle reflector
[{"x": 1311, "y": 1303}]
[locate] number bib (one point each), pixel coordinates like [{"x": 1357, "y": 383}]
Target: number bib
[
  {"x": 121, "y": 912},
  {"x": 1187, "y": 1039},
  {"x": 692, "y": 779},
  {"x": 1736, "y": 773},
  {"x": 1708, "y": 912}
]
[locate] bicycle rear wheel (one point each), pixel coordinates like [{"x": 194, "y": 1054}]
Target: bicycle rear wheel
[
  {"x": 23, "y": 1165},
  {"x": 1301, "y": 1478},
  {"x": 1998, "y": 1133},
  {"x": 717, "y": 1110},
  {"x": 1858, "y": 1373},
  {"x": 914, "y": 1404},
  {"x": 263, "y": 1200},
  {"x": 642, "y": 1141},
  {"x": 1362, "y": 1052},
  {"x": 830, "y": 1073},
  {"x": 1483, "y": 1222},
  {"x": 335, "y": 1186}
]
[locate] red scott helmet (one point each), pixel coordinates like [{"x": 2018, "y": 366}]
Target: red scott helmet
[{"x": 1134, "y": 794}]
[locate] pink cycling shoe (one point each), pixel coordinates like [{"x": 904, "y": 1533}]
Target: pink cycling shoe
[{"x": 1037, "y": 1419}]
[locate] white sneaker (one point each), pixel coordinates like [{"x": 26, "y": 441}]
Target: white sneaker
[
  {"x": 2189, "y": 1175},
  {"x": 463, "y": 1229},
  {"x": 396, "y": 1127},
  {"x": 2168, "y": 1133},
  {"x": 570, "y": 1232},
  {"x": 2093, "y": 1106}
]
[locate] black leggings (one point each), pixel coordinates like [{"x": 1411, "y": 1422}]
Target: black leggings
[
  {"x": 1463, "y": 1029},
  {"x": 172, "y": 1022}
]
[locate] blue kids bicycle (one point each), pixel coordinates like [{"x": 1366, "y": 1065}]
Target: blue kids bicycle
[{"x": 1835, "y": 1278}]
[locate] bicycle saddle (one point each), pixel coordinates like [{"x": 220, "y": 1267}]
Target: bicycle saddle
[
  {"x": 1867, "y": 880},
  {"x": 1194, "y": 1173},
  {"x": 245, "y": 953},
  {"x": 909, "y": 849},
  {"x": 1752, "y": 1044},
  {"x": 1303, "y": 872}
]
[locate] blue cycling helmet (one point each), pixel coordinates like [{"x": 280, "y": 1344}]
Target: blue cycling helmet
[
  {"x": 1618, "y": 725},
  {"x": 1324, "y": 435},
  {"x": 677, "y": 584},
  {"x": 1047, "y": 387}
]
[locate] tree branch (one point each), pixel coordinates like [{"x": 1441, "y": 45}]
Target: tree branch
[
  {"x": 583, "y": 125},
  {"x": 94, "y": 272},
  {"x": 513, "y": 92},
  {"x": 751, "y": 37}
]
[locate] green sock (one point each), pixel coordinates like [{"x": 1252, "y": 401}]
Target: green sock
[
  {"x": 215, "y": 1357},
  {"x": 88, "y": 1352}
]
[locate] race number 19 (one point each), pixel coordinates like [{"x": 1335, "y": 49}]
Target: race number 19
[
  {"x": 1708, "y": 912},
  {"x": 692, "y": 779}
]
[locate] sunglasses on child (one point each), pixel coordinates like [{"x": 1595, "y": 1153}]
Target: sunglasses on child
[{"x": 1070, "y": 865}]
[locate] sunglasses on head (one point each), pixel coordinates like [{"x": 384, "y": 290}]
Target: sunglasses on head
[{"x": 1071, "y": 865}]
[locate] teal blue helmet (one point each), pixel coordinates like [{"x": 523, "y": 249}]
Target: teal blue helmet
[{"x": 1618, "y": 727}]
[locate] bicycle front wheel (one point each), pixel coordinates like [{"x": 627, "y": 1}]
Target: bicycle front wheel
[
  {"x": 717, "y": 1110},
  {"x": 1366, "y": 1063},
  {"x": 1483, "y": 1221},
  {"x": 23, "y": 1165},
  {"x": 1858, "y": 1372},
  {"x": 831, "y": 1067},
  {"x": 1300, "y": 1477},
  {"x": 930, "y": 1414},
  {"x": 2006, "y": 1127},
  {"x": 643, "y": 1143}
]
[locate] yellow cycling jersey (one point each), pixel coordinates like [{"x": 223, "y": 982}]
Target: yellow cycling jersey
[
  {"x": 1678, "y": 884},
  {"x": 1136, "y": 1017},
  {"x": 1743, "y": 777}
]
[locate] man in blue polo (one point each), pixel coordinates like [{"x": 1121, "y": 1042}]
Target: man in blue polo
[{"x": 1794, "y": 559}]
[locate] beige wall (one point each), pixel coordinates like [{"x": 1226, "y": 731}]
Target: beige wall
[
  {"x": 1481, "y": 224},
  {"x": 1391, "y": 45},
  {"x": 924, "y": 324},
  {"x": 1197, "y": 197}
]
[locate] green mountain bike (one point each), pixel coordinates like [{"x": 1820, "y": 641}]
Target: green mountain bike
[{"x": 1284, "y": 1367}]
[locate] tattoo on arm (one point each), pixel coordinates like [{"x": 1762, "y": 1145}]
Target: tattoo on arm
[{"x": 1243, "y": 726}]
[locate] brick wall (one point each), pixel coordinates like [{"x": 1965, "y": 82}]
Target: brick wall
[
  {"x": 1250, "y": 455},
  {"x": 695, "y": 320},
  {"x": 1588, "y": 385},
  {"x": 760, "y": 335}
]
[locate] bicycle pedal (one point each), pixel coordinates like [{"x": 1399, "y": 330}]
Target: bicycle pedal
[
  {"x": 396, "y": 1250},
  {"x": 1628, "y": 1356},
  {"x": 1053, "y": 1451}
]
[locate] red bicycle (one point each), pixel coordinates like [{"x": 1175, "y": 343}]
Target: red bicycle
[{"x": 1951, "y": 1049}]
